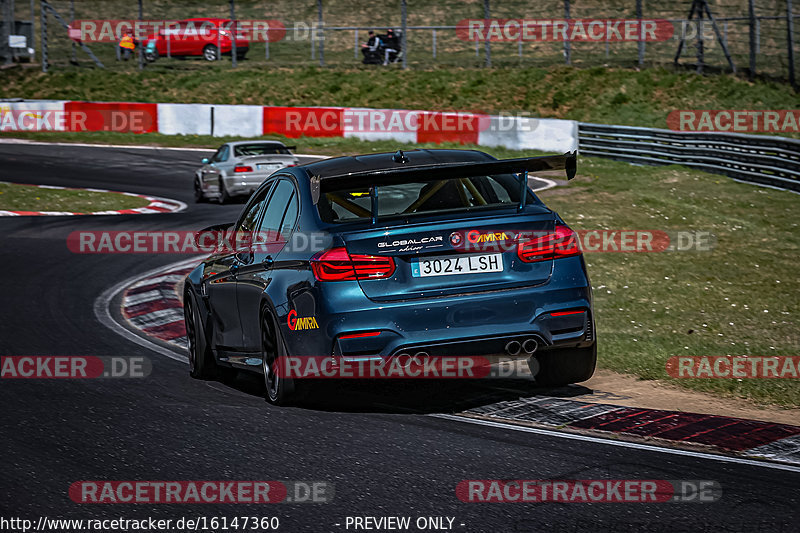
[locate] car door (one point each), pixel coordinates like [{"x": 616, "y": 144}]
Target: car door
[
  {"x": 211, "y": 171},
  {"x": 269, "y": 240},
  {"x": 181, "y": 41},
  {"x": 223, "y": 271}
]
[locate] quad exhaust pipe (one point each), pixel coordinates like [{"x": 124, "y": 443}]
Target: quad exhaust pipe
[
  {"x": 529, "y": 346},
  {"x": 405, "y": 360},
  {"x": 513, "y": 348}
]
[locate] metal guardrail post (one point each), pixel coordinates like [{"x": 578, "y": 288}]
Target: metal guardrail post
[
  {"x": 404, "y": 37},
  {"x": 141, "y": 48},
  {"x": 487, "y": 14},
  {"x": 6, "y": 29},
  {"x": 567, "y": 44},
  {"x": 233, "y": 33},
  {"x": 790, "y": 42},
  {"x": 72, "y": 21},
  {"x": 700, "y": 42},
  {"x": 434, "y": 43},
  {"x": 33, "y": 22},
  {"x": 752, "y": 15},
  {"x": 355, "y": 44},
  {"x": 321, "y": 35},
  {"x": 43, "y": 15},
  {"x": 723, "y": 40},
  {"x": 640, "y": 41}
]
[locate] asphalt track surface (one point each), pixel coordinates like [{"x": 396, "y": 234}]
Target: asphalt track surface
[{"x": 377, "y": 446}]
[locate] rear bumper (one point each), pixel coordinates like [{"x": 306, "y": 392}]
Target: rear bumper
[{"x": 476, "y": 324}]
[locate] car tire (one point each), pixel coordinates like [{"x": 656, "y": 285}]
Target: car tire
[
  {"x": 556, "y": 368},
  {"x": 224, "y": 197},
  {"x": 201, "y": 359},
  {"x": 278, "y": 390},
  {"x": 210, "y": 52},
  {"x": 199, "y": 196}
]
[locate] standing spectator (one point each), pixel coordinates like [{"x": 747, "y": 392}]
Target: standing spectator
[{"x": 127, "y": 45}]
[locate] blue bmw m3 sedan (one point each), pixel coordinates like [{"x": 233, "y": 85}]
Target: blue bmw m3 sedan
[{"x": 425, "y": 253}]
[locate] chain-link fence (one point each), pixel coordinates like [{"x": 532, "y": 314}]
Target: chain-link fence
[{"x": 747, "y": 36}]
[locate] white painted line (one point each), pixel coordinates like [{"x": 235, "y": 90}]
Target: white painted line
[
  {"x": 549, "y": 184},
  {"x": 159, "y": 279},
  {"x": 143, "y": 297},
  {"x": 103, "y": 313},
  {"x": 157, "y": 318},
  {"x": 623, "y": 444}
]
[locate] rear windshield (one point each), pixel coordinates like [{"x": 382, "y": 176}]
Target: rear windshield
[
  {"x": 241, "y": 150},
  {"x": 415, "y": 198}
]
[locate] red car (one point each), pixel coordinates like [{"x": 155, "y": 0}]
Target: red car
[{"x": 206, "y": 37}]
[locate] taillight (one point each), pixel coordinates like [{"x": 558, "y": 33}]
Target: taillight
[
  {"x": 561, "y": 243},
  {"x": 567, "y": 313},
  {"x": 361, "y": 335},
  {"x": 337, "y": 265},
  {"x": 243, "y": 169}
]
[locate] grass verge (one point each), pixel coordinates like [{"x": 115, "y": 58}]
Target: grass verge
[
  {"x": 738, "y": 299},
  {"x": 18, "y": 197},
  {"x": 600, "y": 94}
]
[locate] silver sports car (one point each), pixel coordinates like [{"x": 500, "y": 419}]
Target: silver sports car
[{"x": 238, "y": 168}]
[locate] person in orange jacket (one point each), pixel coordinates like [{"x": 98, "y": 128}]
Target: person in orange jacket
[{"x": 127, "y": 45}]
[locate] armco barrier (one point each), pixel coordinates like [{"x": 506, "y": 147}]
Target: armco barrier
[{"x": 773, "y": 161}]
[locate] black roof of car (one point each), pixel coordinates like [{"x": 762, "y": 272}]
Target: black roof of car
[{"x": 384, "y": 161}]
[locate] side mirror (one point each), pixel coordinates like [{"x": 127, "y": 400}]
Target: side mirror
[{"x": 205, "y": 161}]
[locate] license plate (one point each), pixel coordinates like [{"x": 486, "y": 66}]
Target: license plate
[
  {"x": 456, "y": 264},
  {"x": 265, "y": 166}
]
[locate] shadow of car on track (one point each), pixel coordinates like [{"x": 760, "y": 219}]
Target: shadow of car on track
[{"x": 406, "y": 396}]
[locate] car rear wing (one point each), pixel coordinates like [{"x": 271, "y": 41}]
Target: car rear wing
[{"x": 443, "y": 171}]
